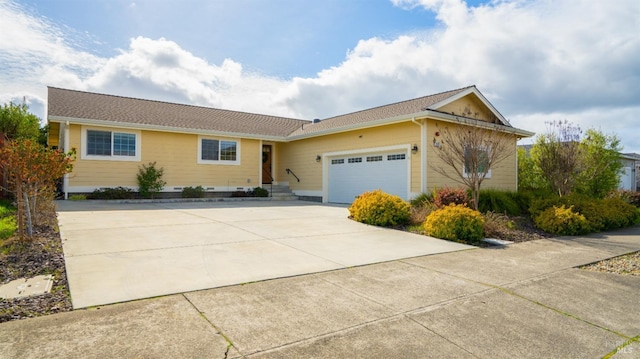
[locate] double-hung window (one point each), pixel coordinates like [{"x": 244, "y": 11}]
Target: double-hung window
[
  {"x": 217, "y": 151},
  {"x": 102, "y": 144},
  {"x": 476, "y": 160}
]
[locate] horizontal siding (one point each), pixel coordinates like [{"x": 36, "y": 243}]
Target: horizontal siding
[
  {"x": 503, "y": 175},
  {"x": 300, "y": 155},
  {"x": 177, "y": 154}
]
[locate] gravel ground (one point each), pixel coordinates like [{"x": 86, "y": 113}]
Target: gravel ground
[
  {"x": 26, "y": 259},
  {"x": 628, "y": 264}
]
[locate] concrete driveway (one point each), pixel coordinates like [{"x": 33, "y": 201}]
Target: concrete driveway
[{"x": 120, "y": 252}]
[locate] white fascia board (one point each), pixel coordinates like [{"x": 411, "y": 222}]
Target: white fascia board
[
  {"x": 475, "y": 91},
  {"x": 112, "y": 124},
  {"x": 358, "y": 126},
  {"x": 435, "y": 115},
  {"x": 428, "y": 114}
]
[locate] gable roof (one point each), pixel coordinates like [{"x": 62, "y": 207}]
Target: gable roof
[
  {"x": 109, "y": 110},
  {"x": 398, "y": 109}
]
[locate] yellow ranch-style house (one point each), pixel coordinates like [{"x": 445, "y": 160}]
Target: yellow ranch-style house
[{"x": 331, "y": 160}]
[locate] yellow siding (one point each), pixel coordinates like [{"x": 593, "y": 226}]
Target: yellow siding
[
  {"x": 469, "y": 106},
  {"x": 503, "y": 176},
  {"x": 300, "y": 155},
  {"x": 177, "y": 154},
  {"x": 53, "y": 137}
]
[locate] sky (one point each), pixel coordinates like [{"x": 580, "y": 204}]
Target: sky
[{"x": 536, "y": 61}]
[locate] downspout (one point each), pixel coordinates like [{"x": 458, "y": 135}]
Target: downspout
[
  {"x": 517, "y": 174},
  {"x": 65, "y": 181},
  {"x": 423, "y": 153}
]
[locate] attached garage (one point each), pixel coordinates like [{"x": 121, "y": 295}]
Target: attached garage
[{"x": 352, "y": 174}]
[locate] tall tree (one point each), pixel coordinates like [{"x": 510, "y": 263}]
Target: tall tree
[
  {"x": 467, "y": 154},
  {"x": 557, "y": 153},
  {"x": 17, "y": 122},
  {"x": 32, "y": 171},
  {"x": 601, "y": 167},
  {"x": 530, "y": 176}
]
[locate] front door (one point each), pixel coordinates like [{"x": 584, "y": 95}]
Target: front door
[{"x": 267, "y": 177}]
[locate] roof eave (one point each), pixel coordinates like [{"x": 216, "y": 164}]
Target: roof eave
[
  {"x": 137, "y": 126},
  {"x": 436, "y": 115},
  {"x": 428, "y": 114}
]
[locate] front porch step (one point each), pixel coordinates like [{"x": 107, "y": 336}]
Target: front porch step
[{"x": 280, "y": 192}]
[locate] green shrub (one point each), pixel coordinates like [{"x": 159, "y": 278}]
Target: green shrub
[
  {"x": 455, "y": 222},
  {"x": 150, "y": 180},
  {"x": 77, "y": 197},
  {"x": 601, "y": 214},
  {"x": 7, "y": 227},
  {"x": 260, "y": 192},
  {"x": 6, "y": 209},
  {"x": 562, "y": 221},
  {"x": 193, "y": 192},
  {"x": 505, "y": 202},
  {"x": 422, "y": 199},
  {"x": 112, "y": 193},
  {"x": 446, "y": 196},
  {"x": 380, "y": 209},
  {"x": 631, "y": 197}
]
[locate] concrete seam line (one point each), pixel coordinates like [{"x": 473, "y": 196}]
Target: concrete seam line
[
  {"x": 440, "y": 335},
  {"x": 559, "y": 311},
  {"x": 328, "y": 334},
  {"x": 621, "y": 347},
  {"x": 507, "y": 291},
  {"x": 218, "y": 330}
]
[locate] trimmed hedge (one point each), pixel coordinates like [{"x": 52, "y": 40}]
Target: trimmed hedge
[
  {"x": 380, "y": 209},
  {"x": 455, "y": 222}
]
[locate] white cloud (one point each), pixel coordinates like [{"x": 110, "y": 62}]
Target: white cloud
[{"x": 536, "y": 61}]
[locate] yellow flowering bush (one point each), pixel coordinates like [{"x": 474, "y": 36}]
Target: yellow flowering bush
[
  {"x": 380, "y": 209},
  {"x": 562, "y": 220},
  {"x": 455, "y": 222}
]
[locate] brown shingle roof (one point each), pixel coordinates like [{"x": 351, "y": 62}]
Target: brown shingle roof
[
  {"x": 85, "y": 105},
  {"x": 71, "y": 104},
  {"x": 377, "y": 113}
]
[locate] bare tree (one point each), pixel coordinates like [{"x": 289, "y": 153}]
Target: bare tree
[
  {"x": 558, "y": 154},
  {"x": 467, "y": 153}
]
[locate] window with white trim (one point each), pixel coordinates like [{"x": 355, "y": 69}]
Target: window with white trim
[
  {"x": 355, "y": 160},
  {"x": 374, "y": 158},
  {"x": 338, "y": 161},
  {"x": 396, "y": 157},
  {"x": 217, "y": 151},
  {"x": 102, "y": 144},
  {"x": 476, "y": 159}
]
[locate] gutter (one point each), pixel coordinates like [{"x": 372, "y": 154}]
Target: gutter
[{"x": 136, "y": 126}]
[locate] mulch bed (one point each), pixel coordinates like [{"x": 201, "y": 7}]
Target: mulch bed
[{"x": 29, "y": 258}]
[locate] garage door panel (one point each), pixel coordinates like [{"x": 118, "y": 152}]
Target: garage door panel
[{"x": 376, "y": 171}]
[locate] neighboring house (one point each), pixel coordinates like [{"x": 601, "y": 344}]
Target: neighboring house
[
  {"x": 629, "y": 179},
  {"x": 333, "y": 160}
]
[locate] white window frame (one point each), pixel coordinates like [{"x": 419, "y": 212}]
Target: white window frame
[
  {"x": 219, "y": 162},
  {"x": 464, "y": 168},
  {"x": 84, "y": 145}
]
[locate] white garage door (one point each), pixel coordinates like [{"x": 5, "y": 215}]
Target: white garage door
[
  {"x": 626, "y": 177},
  {"x": 350, "y": 175}
]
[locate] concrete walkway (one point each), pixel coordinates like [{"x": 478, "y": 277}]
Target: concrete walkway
[
  {"x": 121, "y": 252},
  {"x": 522, "y": 301}
]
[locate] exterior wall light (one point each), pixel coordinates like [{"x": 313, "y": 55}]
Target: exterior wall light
[
  {"x": 414, "y": 149},
  {"x": 318, "y": 158}
]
